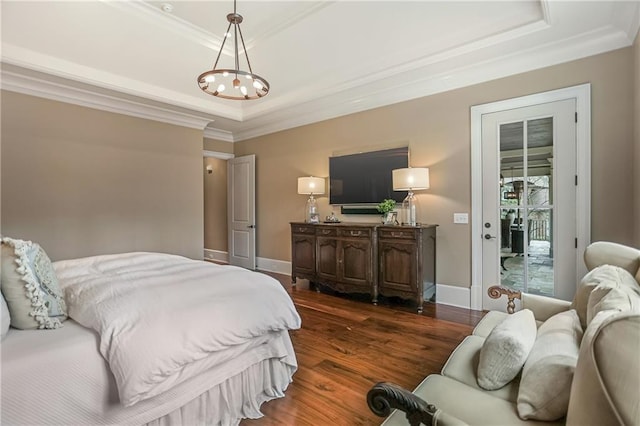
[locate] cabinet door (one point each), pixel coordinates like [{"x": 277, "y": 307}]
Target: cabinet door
[
  {"x": 304, "y": 254},
  {"x": 354, "y": 258},
  {"x": 326, "y": 261},
  {"x": 398, "y": 268}
]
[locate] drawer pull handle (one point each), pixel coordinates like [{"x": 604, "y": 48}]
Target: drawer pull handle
[
  {"x": 355, "y": 233},
  {"x": 397, "y": 234},
  {"x": 326, "y": 231}
]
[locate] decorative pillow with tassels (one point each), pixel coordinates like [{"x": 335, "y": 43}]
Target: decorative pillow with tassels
[{"x": 30, "y": 286}]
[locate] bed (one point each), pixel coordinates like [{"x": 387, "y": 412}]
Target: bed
[{"x": 152, "y": 339}]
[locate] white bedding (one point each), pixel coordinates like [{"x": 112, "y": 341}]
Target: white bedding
[
  {"x": 163, "y": 318},
  {"x": 57, "y": 377}
]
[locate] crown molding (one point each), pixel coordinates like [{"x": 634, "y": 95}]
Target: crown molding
[
  {"x": 363, "y": 97},
  {"x": 219, "y": 134},
  {"x": 40, "y": 87},
  {"x": 187, "y": 30},
  {"x": 428, "y": 75},
  {"x": 66, "y": 73},
  {"x": 216, "y": 154}
]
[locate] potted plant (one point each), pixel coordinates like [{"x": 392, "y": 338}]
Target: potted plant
[{"x": 386, "y": 208}]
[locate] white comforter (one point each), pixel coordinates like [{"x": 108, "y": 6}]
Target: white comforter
[{"x": 160, "y": 316}]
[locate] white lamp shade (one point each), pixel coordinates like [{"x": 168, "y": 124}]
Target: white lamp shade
[
  {"x": 310, "y": 185},
  {"x": 411, "y": 178}
]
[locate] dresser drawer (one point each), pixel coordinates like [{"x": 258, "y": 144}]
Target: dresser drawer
[
  {"x": 303, "y": 229},
  {"x": 355, "y": 232},
  {"x": 326, "y": 232},
  {"x": 407, "y": 234}
]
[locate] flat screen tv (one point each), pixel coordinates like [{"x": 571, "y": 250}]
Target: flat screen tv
[{"x": 365, "y": 178}]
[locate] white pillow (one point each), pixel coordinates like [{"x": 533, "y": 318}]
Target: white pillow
[
  {"x": 546, "y": 380},
  {"x": 30, "y": 286},
  {"x": 603, "y": 276},
  {"x": 5, "y": 318},
  {"x": 505, "y": 350}
]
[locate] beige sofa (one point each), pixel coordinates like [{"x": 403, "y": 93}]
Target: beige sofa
[{"x": 603, "y": 386}]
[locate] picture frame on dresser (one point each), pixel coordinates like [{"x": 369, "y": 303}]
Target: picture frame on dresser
[{"x": 391, "y": 218}]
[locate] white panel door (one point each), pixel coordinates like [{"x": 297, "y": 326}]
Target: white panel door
[
  {"x": 241, "y": 211},
  {"x": 529, "y": 200}
]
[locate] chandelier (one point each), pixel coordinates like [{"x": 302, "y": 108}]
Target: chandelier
[{"x": 235, "y": 83}]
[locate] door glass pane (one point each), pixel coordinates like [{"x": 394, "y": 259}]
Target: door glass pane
[
  {"x": 540, "y": 206},
  {"x": 526, "y": 209}
]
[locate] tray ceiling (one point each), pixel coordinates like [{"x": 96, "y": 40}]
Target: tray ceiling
[{"x": 323, "y": 59}]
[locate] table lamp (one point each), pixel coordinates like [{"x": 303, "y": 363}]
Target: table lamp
[
  {"x": 311, "y": 185},
  {"x": 410, "y": 179}
]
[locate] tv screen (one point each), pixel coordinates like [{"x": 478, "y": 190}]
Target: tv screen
[{"x": 365, "y": 178}]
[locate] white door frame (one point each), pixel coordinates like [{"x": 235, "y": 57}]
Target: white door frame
[{"x": 582, "y": 95}]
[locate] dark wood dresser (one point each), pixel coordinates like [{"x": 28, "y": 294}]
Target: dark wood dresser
[{"x": 367, "y": 258}]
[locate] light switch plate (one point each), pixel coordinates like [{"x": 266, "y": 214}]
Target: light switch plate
[{"x": 460, "y": 218}]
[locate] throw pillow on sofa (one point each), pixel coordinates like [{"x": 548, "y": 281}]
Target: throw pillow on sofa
[
  {"x": 614, "y": 296},
  {"x": 30, "y": 286},
  {"x": 605, "y": 276},
  {"x": 506, "y": 349},
  {"x": 547, "y": 375}
]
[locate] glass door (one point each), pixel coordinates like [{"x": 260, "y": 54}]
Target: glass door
[
  {"x": 529, "y": 166},
  {"x": 526, "y": 205}
]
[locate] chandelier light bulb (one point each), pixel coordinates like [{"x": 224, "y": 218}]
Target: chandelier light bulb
[
  {"x": 210, "y": 78},
  {"x": 221, "y": 88},
  {"x": 236, "y": 83},
  {"x": 243, "y": 90},
  {"x": 257, "y": 84},
  {"x": 225, "y": 74}
]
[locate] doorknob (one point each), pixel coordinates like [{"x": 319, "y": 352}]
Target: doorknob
[
  {"x": 251, "y": 226},
  {"x": 489, "y": 237}
]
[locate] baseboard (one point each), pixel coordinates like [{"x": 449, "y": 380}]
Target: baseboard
[
  {"x": 453, "y": 296},
  {"x": 272, "y": 265},
  {"x": 445, "y": 294},
  {"x": 216, "y": 255}
]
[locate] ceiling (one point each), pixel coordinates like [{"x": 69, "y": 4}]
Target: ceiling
[{"x": 323, "y": 59}]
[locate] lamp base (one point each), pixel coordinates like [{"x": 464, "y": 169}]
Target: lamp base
[
  {"x": 409, "y": 207},
  {"x": 312, "y": 215}
]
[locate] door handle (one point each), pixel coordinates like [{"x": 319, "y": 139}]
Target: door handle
[
  {"x": 489, "y": 237},
  {"x": 251, "y": 226}
]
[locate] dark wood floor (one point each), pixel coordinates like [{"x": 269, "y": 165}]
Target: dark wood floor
[{"x": 346, "y": 345}]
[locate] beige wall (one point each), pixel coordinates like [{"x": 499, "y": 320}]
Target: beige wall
[
  {"x": 215, "y": 204},
  {"x": 437, "y": 129},
  {"x": 81, "y": 181},
  {"x": 636, "y": 121},
  {"x": 215, "y": 145}
]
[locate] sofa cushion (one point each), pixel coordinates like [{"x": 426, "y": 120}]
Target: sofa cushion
[
  {"x": 473, "y": 406},
  {"x": 462, "y": 366},
  {"x": 488, "y": 323},
  {"x": 545, "y": 385},
  {"x": 607, "y": 377},
  {"x": 505, "y": 350}
]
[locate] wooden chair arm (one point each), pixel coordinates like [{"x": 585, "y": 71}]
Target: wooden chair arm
[
  {"x": 384, "y": 397},
  {"x": 496, "y": 291}
]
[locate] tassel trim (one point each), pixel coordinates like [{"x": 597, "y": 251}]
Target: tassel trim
[{"x": 39, "y": 310}]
